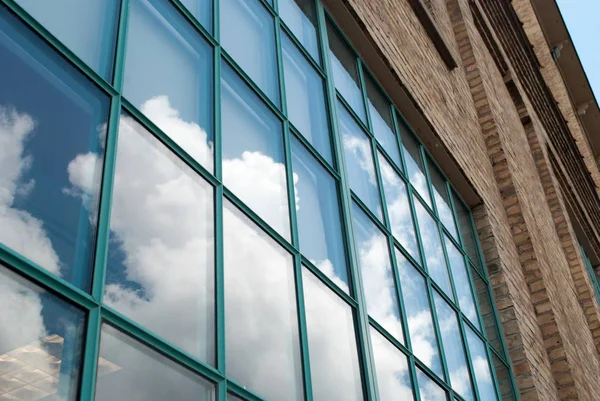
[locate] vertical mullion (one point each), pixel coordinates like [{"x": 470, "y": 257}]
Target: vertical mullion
[
  {"x": 119, "y": 67},
  {"x": 216, "y": 31},
  {"x": 362, "y": 324},
  {"x": 363, "y": 90},
  {"x": 220, "y": 289},
  {"x": 302, "y": 328},
  {"x": 437, "y": 330},
  {"x": 471, "y": 367},
  {"x": 90, "y": 355}
]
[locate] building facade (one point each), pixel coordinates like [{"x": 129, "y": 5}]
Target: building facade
[{"x": 296, "y": 200}]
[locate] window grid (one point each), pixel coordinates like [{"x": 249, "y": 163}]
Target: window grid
[{"x": 97, "y": 312}]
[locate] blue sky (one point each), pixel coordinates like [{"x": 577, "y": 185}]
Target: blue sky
[{"x": 581, "y": 17}]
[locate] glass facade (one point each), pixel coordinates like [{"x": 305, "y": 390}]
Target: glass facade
[{"x": 215, "y": 200}]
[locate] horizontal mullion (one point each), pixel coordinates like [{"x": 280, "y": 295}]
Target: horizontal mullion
[
  {"x": 425, "y": 369},
  {"x": 429, "y": 209},
  {"x": 311, "y": 149},
  {"x": 195, "y": 23},
  {"x": 259, "y": 221},
  {"x": 389, "y": 337},
  {"x": 168, "y": 142},
  {"x": 479, "y": 273},
  {"x": 409, "y": 257},
  {"x": 242, "y": 391},
  {"x": 500, "y": 356},
  {"x": 40, "y": 276},
  {"x": 328, "y": 282},
  {"x": 59, "y": 47},
  {"x": 390, "y": 161},
  {"x": 253, "y": 86},
  {"x": 299, "y": 45},
  {"x": 454, "y": 305},
  {"x": 355, "y": 116},
  {"x": 150, "y": 339},
  {"x": 369, "y": 213}
]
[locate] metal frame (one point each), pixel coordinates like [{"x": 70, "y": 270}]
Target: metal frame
[{"x": 97, "y": 312}]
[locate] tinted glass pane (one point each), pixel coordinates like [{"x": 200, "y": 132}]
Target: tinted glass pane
[
  {"x": 359, "y": 161},
  {"x": 486, "y": 309},
  {"x": 460, "y": 377},
  {"x": 317, "y": 209},
  {"x": 202, "y": 10},
  {"x": 398, "y": 208},
  {"x": 305, "y": 98},
  {"x": 161, "y": 244},
  {"x": 391, "y": 368},
  {"x": 87, "y": 28},
  {"x": 301, "y": 17},
  {"x": 52, "y": 130},
  {"x": 376, "y": 271},
  {"x": 466, "y": 231},
  {"x": 432, "y": 248},
  {"x": 132, "y": 371},
  {"x": 442, "y": 200},
  {"x": 345, "y": 71},
  {"x": 168, "y": 74},
  {"x": 462, "y": 283},
  {"x": 414, "y": 164},
  {"x": 248, "y": 19},
  {"x": 429, "y": 390},
  {"x": 40, "y": 342},
  {"x": 418, "y": 314},
  {"x": 261, "y": 325},
  {"x": 253, "y": 164},
  {"x": 381, "y": 121},
  {"x": 503, "y": 377},
  {"x": 481, "y": 367},
  {"x": 331, "y": 342}
]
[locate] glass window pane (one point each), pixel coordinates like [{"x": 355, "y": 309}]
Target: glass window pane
[
  {"x": 462, "y": 283},
  {"x": 376, "y": 273},
  {"x": 128, "y": 368},
  {"x": 359, "y": 161},
  {"x": 414, "y": 165},
  {"x": 442, "y": 200},
  {"x": 486, "y": 309},
  {"x": 398, "y": 208},
  {"x": 460, "y": 377},
  {"x": 429, "y": 390},
  {"x": 418, "y": 314},
  {"x": 261, "y": 325},
  {"x": 332, "y": 344},
  {"x": 88, "y": 28},
  {"x": 253, "y": 162},
  {"x": 466, "y": 231},
  {"x": 503, "y": 377},
  {"x": 168, "y": 76},
  {"x": 432, "y": 248},
  {"x": 248, "y": 19},
  {"x": 481, "y": 367},
  {"x": 317, "y": 208},
  {"x": 345, "y": 71},
  {"x": 301, "y": 17},
  {"x": 231, "y": 397},
  {"x": 305, "y": 98},
  {"x": 161, "y": 243},
  {"x": 40, "y": 342},
  {"x": 202, "y": 10},
  {"x": 381, "y": 120},
  {"x": 52, "y": 132},
  {"x": 391, "y": 369}
]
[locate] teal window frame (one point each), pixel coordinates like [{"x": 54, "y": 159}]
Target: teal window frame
[{"x": 97, "y": 312}]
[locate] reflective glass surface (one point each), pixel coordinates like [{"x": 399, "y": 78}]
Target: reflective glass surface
[
  {"x": 52, "y": 133},
  {"x": 428, "y": 389},
  {"x": 462, "y": 283},
  {"x": 253, "y": 162},
  {"x": 376, "y": 271},
  {"x": 161, "y": 243},
  {"x": 261, "y": 322},
  {"x": 168, "y": 76},
  {"x": 414, "y": 165},
  {"x": 398, "y": 208},
  {"x": 466, "y": 230},
  {"x": 248, "y": 19},
  {"x": 481, "y": 367},
  {"x": 381, "y": 121},
  {"x": 301, "y": 17},
  {"x": 359, "y": 161},
  {"x": 332, "y": 344},
  {"x": 305, "y": 98},
  {"x": 418, "y": 314},
  {"x": 503, "y": 377},
  {"x": 460, "y": 377},
  {"x": 391, "y": 368},
  {"x": 88, "y": 28},
  {"x": 318, "y": 214},
  {"x": 202, "y": 10},
  {"x": 485, "y": 308},
  {"x": 442, "y": 200},
  {"x": 432, "y": 248},
  {"x": 41, "y": 338},
  {"x": 132, "y": 371},
  {"x": 344, "y": 66}
]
